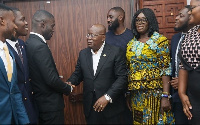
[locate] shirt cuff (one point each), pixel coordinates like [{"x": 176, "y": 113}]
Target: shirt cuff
[
  {"x": 71, "y": 88},
  {"x": 108, "y": 98}
]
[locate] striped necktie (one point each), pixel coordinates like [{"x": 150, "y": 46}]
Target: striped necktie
[{"x": 9, "y": 67}]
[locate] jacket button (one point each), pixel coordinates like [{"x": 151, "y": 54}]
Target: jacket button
[
  {"x": 32, "y": 93},
  {"x": 29, "y": 79},
  {"x": 25, "y": 82},
  {"x": 25, "y": 99}
]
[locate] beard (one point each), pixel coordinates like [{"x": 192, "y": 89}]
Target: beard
[
  {"x": 184, "y": 26},
  {"x": 13, "y": 38},
  {"x": 114, "y": 25}
]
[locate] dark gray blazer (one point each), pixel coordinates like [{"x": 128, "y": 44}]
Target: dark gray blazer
[
  {"x": 110, "y": 78},
  {"x": 47, "y": 86}
]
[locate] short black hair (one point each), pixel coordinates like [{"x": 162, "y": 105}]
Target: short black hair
[
  {"x": 119, "y": 9},
  {"x": 41, "y": 15},
  {"x": 15, "y": 10},
  {"x": 151, "y": 18},
  {"x": 4, "y": 7}
]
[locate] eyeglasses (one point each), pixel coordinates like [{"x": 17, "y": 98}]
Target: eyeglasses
[
  {"x": 192, "y": 7},
  {"x": 93, "y": 35},
  {"x": 142, "y": 20}
]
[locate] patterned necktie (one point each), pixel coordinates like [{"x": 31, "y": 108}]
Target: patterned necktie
[
  {"x": 19, "y": 52},
  {"x": 9, "y": 67}
]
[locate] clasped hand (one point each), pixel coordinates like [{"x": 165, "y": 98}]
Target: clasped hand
[{"x": 72, "y": 86}]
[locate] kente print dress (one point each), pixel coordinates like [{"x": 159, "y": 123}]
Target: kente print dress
[
  {"x": 190, "y": 61},
  {"x": 147, "y": 63}
]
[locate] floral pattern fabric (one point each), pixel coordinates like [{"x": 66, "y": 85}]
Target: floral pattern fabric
[{"x": 147, "y": 63}]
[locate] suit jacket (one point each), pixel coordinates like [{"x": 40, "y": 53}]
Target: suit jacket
[
  {"x": 110, "y": 78},
  {"x": 174, "y": 44},
  {"x": 23, "y": 82},
  {"x": 11, "y": 104},
  {"x": 47, "y": 86}
]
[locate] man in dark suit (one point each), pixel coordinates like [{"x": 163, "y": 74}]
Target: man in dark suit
[
  {"x": 17, "y": 46},
  {"x": 48, "y": 88},
  {"x": 182, "y": 26},
  {"x": 12, "y": 109},
  {"x": 102, "y": 68},
  {"x": 119, "y": 35}
]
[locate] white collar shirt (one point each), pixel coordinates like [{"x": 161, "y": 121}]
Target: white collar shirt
[
  {"x": 39, "y": 36},
  {"x": 13, "y": 43},
  {"x": 3, "y": 56},
  {"x": 96, "y": 57}
]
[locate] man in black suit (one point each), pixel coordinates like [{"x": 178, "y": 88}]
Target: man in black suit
[
  {"x": 17, "y": 46},
  {"x": 47, "y": 86},
  {"x": 181, "y": 25},
  {"x": 102, "y": 68}
]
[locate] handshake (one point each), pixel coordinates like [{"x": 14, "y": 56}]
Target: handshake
[{"x": 72, "y": 86}]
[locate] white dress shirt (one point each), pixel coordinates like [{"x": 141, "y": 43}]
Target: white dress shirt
[
  {"x": 13, "y": 43},
  {"x": 39, "y": 36},
  {"x": 96, "y": 57},
  {"x": 3, "y": 56}
]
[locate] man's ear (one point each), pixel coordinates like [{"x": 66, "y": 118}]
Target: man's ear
[
  {"x": 120, "y": 17},
  {"x": 2, "y": 21},
  {"x": 42, "y": 24}
]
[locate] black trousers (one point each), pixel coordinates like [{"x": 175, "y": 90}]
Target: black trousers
[
  {"x": 180, "y": 117},
  {"x": 99, "y": 118},
  {"x": 56, "y": 117}
]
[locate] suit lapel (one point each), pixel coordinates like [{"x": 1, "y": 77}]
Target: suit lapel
[
  {"x": 89, "y": 61},
  {"x": 17, "y": 58},
  {"x": 104, "y": 56}
]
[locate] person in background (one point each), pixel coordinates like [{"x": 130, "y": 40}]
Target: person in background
[
  {"x": 149, "y": 71},
  {"x": 12, "y": 110},
  {"x": 102, "y": 68},
  {"x": 48, "y": 88},
  {"x": 182, "y": 26},
  {"x": 17, "y": 46},
  {"x": 119, "y": 36},
  {"x": 189, "y": 54}
]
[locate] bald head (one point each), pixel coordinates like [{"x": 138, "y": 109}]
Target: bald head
[
  {"x": 96, "y": 36},
  {"x": 99, "y": 28}
]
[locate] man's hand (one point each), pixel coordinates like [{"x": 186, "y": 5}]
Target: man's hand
[
  {"x": 186, "y": 106},
  {"x": 165, "y": 105},
  {"x": 100, "y": 104},
  {"x": 69, "y": 83},
  {"x": 174, "y": 82}
]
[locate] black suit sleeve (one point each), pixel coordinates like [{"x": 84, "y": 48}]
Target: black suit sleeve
[
  {"x": 121, "y": 76},
  {"x": 44, "y": 60},
  {"x": 77, "y": 75}
]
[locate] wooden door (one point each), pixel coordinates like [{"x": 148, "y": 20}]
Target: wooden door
[
  {"x": 166, "y": 12},
  {"x": 72, "y": 18}
]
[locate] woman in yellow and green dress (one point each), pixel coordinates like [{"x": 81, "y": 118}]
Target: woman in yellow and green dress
[{"x": 149, "y": 71}]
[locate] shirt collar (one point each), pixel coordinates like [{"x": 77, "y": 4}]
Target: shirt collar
[
  {"x": 39, "y": 36},
  {"x": 1, "y": 45},
  {"x": 100, "y": 50},
  {"x": 12, "y": 43}
]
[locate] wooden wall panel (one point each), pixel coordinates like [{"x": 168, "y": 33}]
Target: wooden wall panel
[{"x": 73, "y": 18}]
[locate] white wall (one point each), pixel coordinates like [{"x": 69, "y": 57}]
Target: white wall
[{"x": 188, "y": 2}]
